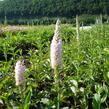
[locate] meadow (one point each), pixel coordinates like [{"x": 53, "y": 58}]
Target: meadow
[{"x": 84, "y": 81}]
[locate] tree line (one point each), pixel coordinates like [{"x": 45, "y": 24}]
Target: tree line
[{"x": 30, "y": 9}]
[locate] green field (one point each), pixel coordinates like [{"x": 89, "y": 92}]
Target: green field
[{"x": 84, "y": 76}]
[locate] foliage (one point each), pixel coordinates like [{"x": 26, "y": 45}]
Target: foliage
[{"x": 84, "y": 78}]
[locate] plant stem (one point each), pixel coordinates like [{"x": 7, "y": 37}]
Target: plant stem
[
  {"x": 77, "y": 28},
  {"x": 57, "y": 85},
  {"x": 21, "y": 92}
]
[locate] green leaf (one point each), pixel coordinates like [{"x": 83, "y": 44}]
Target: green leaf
[
  {"x": 96, "y": 101},
  {"x": 103, "y": 98},
  {"x": 104, "y": 93},
  {"x": 27, "y": 100},
  {"x": 106, "y": 77}
]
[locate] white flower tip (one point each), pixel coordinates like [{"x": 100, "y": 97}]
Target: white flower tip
[
  {"x": 56, "y": 48},
  {"x": 58, "y": 22},
  {"x": 19, "y": 72}
]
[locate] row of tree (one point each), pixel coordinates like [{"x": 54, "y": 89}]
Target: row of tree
[{"x": 31, "y": 9}]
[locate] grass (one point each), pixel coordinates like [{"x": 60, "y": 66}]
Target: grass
[{"x": 84, "y": 80}]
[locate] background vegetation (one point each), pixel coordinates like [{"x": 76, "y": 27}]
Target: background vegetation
[
  {"x": 84, "y": 77},
  {"x": 46, "y": 11}
]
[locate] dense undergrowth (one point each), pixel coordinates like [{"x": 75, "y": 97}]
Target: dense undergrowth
[{"x": 84, "y": 77}]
